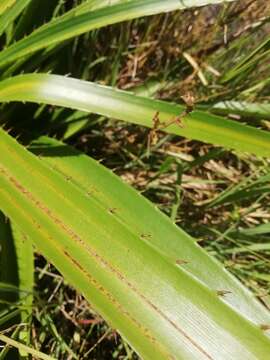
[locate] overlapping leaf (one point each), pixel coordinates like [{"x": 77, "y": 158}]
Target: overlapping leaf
[
  {"x": 60, "y": 30},
  {"x": 117, "y": 267},
  {"x": 90, "y": 97}
]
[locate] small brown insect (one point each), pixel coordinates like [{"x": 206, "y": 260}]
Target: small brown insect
[
  {"x": 265, "y": 327},
  {"x": 223, "y": 292},
  {"x": 181, "y": 262},
  {"x": 112, "y": 211},
  {"x": 146, "y": 236}
]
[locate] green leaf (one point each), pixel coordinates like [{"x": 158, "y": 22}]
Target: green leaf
[
  {"x": 16, "y": 275},
  {"x": 90, "y": 5},
  {"x": 104, "y": 188},
  {"x": 25, "y": 264},
  {"x": 251, "y": 59},
  {"x": 5, "y": 4},
  {"x": 161, "y": 309},
  {"x": 257, "y": 230},
  {"x": 90, "y": 97},
  {"x": 17, "y": 265},
  {"x": 25, "y": 349},
  {"x": 242, "y": 108},
  {"x": 68, "y": 27},
  {"x": 8, "y": 272},
  {"x": 10, "y": 11}
]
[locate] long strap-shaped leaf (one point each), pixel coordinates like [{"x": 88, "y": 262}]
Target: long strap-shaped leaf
[
  {"x": 69, "y": 27},
  {"x": 163, "y": 311},
  {"x": 86, "y": 96},
  {"x": 141, "y": 217}
]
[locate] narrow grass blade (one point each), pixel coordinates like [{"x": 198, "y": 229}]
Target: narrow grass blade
[
  {"x": 24, "y": 348},
  {"x": 17, "y": 264},
  {"x": 257, "y": 230},
  {"x": 11, "y": 13},
  {"x": 89, "y": 97},
  {"x": 158, "y": 306},
  {"x": 9, "y": 314},
  {"x": 8, "y": 263},
  {"x": 8, "y": 352},
  {"x": 254, "y": 248},
  {"x": 42, "y": 12},
  {"x": 243, "y": 190},
  {"x": 261, "y": 51},
  {"x": 17, "y": 272},
  {"x": 25, "y": 264},
  {"x": 242, "y": 108}
]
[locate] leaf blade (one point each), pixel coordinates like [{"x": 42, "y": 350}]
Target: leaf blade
[
  {"x": 59, "y": 30},
  {"x": 177, "y": 315},
  {"x": 90, "y": 97},
  {"x": 140, "y": 216}
]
